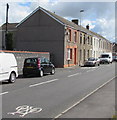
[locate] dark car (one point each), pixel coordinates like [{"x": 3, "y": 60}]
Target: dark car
[
  {"x": 92, "y": 62},
  {"x": 37, "y": 66}
]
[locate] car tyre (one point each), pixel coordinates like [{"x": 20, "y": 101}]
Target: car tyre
[
  {"x": 41, "y": 73},
  {"x": 52, "y": 71},
  {"x": 12, "y": 78}
]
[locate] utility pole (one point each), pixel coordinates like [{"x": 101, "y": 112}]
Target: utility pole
[
  {"x": 6, "y": 25},
  {"x": 81, "y": 50}
]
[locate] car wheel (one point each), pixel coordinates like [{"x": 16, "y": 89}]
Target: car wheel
[
  {"x": 53, "y": 71},
  {"x": 12, "y": 78},
  {"x": 41, "y": 73}
]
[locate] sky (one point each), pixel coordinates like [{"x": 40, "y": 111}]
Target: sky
[{"x": 99, "y": 15}]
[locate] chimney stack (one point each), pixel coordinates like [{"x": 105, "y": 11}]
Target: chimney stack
[
  {"x": 75, "y": 21},
  {"x": 87, "y": 27}
]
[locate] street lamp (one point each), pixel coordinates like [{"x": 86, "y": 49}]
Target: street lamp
[
  {"x": 81, "y": 51},
  {"x": 6, "y": 25},
  {"x": 81, "y": 11}
]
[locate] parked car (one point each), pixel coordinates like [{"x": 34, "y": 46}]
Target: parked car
[
  {"x": 37, "y": 66},
  {"x": 8, "y": 67},
  {"x": 114, "y": 58},
  {"x": 106, "y": 58},
  {"x": 92, "y": 62}
]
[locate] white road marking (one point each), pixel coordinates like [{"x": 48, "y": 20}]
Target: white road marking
[
  {"x": 84, "y": 98},
  {"x": 4, "y": 93},
  {"x": 89, "y": 67},
  {"x": 73, "y": 75},
  {"x": 43, "y": 83},
  {"x": 24, "y": 110},
  {"x": 90, "y": 70}
]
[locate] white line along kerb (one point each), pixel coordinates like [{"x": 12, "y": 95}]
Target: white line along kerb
[
  {"x": 43, "y": 83},
  {"x": 84, "y": 98}
]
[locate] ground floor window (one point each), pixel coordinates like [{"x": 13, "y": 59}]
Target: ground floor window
[{"x": 69, "y": 53}]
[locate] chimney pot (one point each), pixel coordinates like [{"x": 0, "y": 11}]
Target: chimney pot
[
  {"x": 75, "y": 21},
  {"x": 87, "y": 27}
]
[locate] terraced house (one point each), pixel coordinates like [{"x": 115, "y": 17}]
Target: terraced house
[
  {"x": 45, "y": 31},
  {"x": 69, "y": 44},
  {"x": 85, "y": 44}
]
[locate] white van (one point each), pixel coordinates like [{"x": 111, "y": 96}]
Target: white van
[
  {"x": 8, "y": 67},
  {"x": 106, "y": 58}
]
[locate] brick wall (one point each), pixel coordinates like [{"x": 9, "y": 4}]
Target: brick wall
[{"x": 21, "y": 55}]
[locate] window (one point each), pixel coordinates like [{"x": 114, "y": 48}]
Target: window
[
  {"x": 88, "y": 53},
  {"x": 80, "y": 38},
  {"x": 75, "y": 37},
  {"x": 69, "y": 35},
  {"x": 94, "y": 42},
  {"x": 84, "y": 39},
  {"x": 80, "y": 54},
  {"x": 69, "y": 54},
  {"x": 91, "y": 40},
  {"x": 84, "y": 55},
  {"x": 88, "y": 39}
]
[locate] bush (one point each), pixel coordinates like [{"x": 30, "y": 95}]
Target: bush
[{"x": 9, "y": 41}]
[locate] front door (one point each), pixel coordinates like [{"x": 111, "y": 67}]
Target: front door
[{"x": 75, "y": 56}]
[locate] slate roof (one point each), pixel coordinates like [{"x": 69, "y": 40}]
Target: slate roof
[{"x": 58, "y": 18}]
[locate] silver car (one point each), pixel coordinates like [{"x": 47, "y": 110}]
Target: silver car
[{"x": 92, "y": 62}]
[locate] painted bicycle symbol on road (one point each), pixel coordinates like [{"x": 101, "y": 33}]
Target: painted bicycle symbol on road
[{"x": 25, "y": 109}]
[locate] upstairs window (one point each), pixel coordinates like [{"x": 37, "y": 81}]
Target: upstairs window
[
  {"x": 84, "y": 39},
  {"x": 75, "y": 37},
  {"x": 69, "y": 35},
  {"x": 80, "y": 38}
]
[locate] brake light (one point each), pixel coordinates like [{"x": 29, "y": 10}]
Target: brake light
[{"x": 39, "y": 64}]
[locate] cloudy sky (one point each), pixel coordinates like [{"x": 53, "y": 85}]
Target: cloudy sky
[{"x": 99, "y": 15}]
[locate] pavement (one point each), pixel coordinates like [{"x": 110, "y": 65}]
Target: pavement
[{"x": 101, "y": 104}]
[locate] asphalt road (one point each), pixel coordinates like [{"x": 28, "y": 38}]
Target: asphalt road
[{"x": 49, "y": 96}]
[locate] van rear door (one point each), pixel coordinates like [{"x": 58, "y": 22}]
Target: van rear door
[{"x": 5, "y": 66}]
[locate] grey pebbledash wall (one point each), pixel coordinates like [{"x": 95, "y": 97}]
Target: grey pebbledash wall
[{"x": 21, "y": 55}]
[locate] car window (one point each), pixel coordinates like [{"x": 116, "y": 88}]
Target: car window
[
  {"x": 31, "y": 61},
  {"x": 44, "y": 61},
  {"x": 104, "y": 56},
  {"x": 91, "y": 59}
]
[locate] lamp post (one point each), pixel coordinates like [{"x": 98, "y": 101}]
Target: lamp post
[
  {"x": 6, "y": 25},
  {"x": 81, "y": 11},
  {"x": 81, "y": 51}
]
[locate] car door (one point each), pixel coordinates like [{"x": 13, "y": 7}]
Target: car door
[
  {"x": 44, "y": 65},
  {"x": 48, "y": 65}
]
